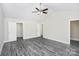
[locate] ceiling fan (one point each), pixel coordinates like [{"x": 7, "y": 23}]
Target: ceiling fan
[{"x": 40, "y": 11}]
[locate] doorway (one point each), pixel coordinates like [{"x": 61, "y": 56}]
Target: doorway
[
  {"x": 74, "y": 33},
  {"x": 19, "y": 30}
]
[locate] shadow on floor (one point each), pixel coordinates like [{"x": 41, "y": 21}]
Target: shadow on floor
[{"x": 74, "y": 43}]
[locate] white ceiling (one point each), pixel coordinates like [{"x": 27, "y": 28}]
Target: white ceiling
[
  {"x": 63, "y": 6},
  {"x": 24, "y": 10}
]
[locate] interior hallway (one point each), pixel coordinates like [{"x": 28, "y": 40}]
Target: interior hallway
[{"x": 37, "y": 47}]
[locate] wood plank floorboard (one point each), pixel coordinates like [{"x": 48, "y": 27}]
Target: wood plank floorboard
[{"x": 37, "y": 47}]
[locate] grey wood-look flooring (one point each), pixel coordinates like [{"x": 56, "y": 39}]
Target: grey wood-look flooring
[{"x": 38, "y": 47}]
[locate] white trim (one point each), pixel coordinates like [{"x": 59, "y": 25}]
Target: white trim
[
  {"x": 57, "y": 40},
  {"x": 75, "y": 39},
  {"x": 31, "y": 37},
  {"x": 1, "y": 47},
  {"x": 8, "y": 41}
]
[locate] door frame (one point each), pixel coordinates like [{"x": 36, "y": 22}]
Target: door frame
[
  {"x": 15, "y": 31},
  {"x": 69, "y": 27}
]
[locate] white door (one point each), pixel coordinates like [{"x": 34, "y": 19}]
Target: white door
[{"x": 12, "y": 31}]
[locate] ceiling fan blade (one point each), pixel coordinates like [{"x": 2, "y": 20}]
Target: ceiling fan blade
[
  {"x": 45, "y": 9},
  {"x": 45, "y": 12},
  {"x": 37, "y": 9}
]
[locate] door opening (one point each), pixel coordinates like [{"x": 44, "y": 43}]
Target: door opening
[
  {"x": 19, "y": 30},
  {"x": 74, "y": 32}
]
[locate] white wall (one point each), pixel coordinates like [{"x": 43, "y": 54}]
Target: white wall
[
  {"x": 1, "y": 28},
  {"x": 56, "y": 26},
  {"x": 30, "y": 30}
]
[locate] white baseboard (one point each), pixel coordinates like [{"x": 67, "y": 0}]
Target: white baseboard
[
  {"x": 1, "y": 47},
  {"x": 23, "y": 38},
  {"x": 75, "y": 39},
  {"x": 6, "y": 41},
  {"x": 68, "y": 43},
  {"x": 30, "y": 37}
]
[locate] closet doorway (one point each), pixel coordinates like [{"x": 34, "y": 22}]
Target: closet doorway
[{"x": 74, "y": 33}]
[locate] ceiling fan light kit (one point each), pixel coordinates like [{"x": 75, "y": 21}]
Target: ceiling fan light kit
[{"x": 40, "y": 11}]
